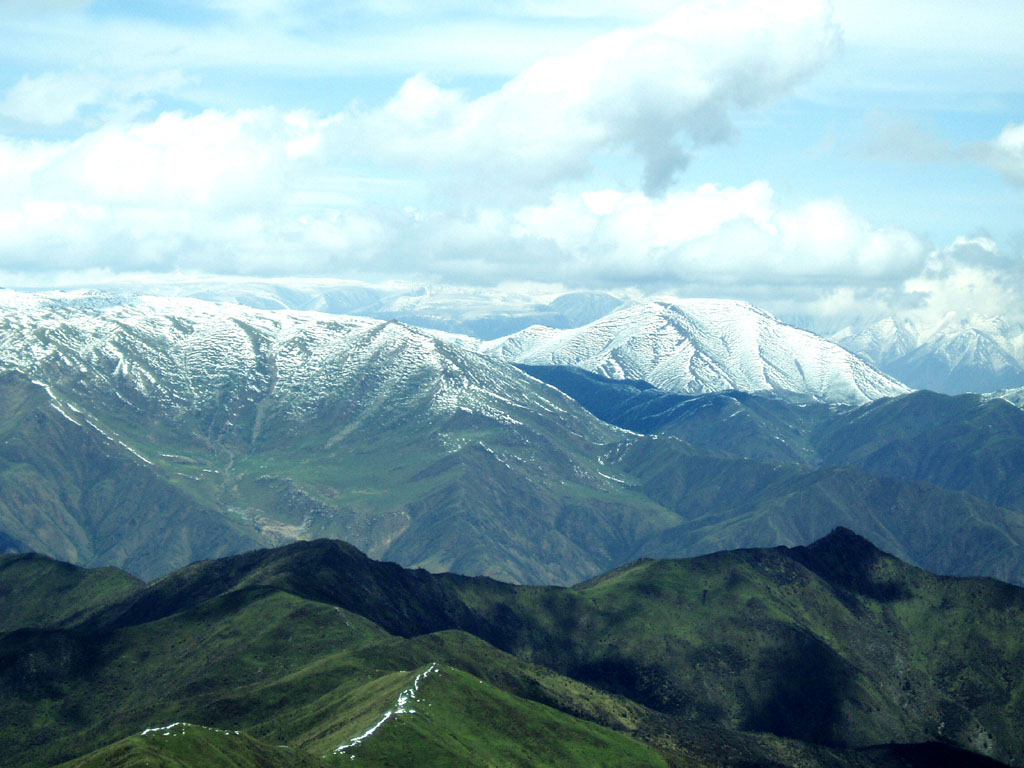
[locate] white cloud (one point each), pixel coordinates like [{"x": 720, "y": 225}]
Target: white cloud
[
  {"x": 655, "y": 91},
  {"x": 58, "y": 98},
  {"x": 207, "y": 162},
  {"x": 49, "y": 99},
  {"x": 726, "y": 234},
  {"x": 969, "y": 276},
  {"x": 244, "y": 191},
  {"x": 218, "y": 192}
]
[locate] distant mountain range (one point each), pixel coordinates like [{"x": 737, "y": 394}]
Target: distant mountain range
[
  {"x": 478, "y": 312},
  {"x": 834, "y": 654},
  {"x": 150, "y": 432},
  {"x": 958, "y": 354}
]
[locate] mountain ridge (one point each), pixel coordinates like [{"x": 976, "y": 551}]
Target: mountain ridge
[
  {"x": 691, "y": 346},
  {"x": 816, "y": 655},
  {"x": 955, "y": 355}
]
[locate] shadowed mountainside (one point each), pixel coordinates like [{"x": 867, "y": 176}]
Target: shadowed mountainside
[{"x": 817, "y": 655}]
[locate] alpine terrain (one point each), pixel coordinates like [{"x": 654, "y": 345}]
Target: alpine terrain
[
  {"x": 704, "y": 345},
  {"x": 148, "y": 433},
  {"x": 957, "y": 354},
  {"x": 311, "y": 654}
]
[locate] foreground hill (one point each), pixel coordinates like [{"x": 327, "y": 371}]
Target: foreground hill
[{"x": 813, "y": 656}]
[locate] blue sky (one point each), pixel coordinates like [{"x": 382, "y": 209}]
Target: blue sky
[{"x": 856, "y": 157}]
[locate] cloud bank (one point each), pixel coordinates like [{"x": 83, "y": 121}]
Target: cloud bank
[{"x": 571, "y": 172}]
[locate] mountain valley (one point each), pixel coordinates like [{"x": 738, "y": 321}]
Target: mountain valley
[{"x": 149, "y": 433}]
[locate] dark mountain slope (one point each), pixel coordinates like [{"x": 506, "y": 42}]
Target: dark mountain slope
[
  {"x": 836, "y": 644},
  {"x": 67, "y": 489},
  {"x": 726, "y": 423},
  {"x": 730, "y": 503},
  {"x": 961, "y": 443}
]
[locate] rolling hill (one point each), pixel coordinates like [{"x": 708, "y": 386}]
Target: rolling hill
[{"x": 822, "y": 655}]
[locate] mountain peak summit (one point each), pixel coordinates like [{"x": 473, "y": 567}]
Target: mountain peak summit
[{"x": 694, "y": 346}]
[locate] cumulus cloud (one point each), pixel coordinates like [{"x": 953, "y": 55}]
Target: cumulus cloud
[
  {"x": 207, "y": 161},
  {"x": 656, "y": 92},
  {"x": 969, "y": 276},
  {"x": 728, "y": 234},
  {"x": 155, "y": 195},
  {"x": 223, "y": 192},
  {"x": 232, "y": 190},
  {"x": 255, "y": 191}
]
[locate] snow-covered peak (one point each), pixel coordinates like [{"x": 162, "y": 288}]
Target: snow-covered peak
[
  {"x": 188, "y": 356},
  {"x": 703, "y": 345},
  {"x": 955, "y": 353}
]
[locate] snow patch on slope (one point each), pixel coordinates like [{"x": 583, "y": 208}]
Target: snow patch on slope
[
  {"x": 179, "y": 729},
  {"x": 402, "y": 707}
]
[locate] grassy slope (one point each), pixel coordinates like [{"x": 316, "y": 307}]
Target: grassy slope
[
  {"x": 460, "y": 720},
  {"x": 68, "y": 491},
  {"x": 279, "y": 667},
  {"x": 36, "y": 591},
  {"x": 753, "y": 654},
  {"x": 186, "y": 745}
]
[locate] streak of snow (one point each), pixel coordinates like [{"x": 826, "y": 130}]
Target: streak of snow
[
  {"x": 401, "y": 708},
  {"x": 166, "y": 730},
  {"x": 613, "y": 479}
]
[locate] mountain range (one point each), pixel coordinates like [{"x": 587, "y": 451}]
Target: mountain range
[
  {"x": 174, "y": 437},
  {"x": 957, "y": 354},
  {"x": 311, "y": 654},
  {"x": 150, "y": 432},
  {"x": 477, "y": 312}
]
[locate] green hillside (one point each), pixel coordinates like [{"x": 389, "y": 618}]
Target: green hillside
[{"x": 823, "y": 655}]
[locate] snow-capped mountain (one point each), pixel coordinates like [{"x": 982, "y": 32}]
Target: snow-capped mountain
[
  {"x": 703, "y": 345},
  {"x": 956, "y": 354},
  {"x": 278, "y": 425},
  {"x": 188, "y": 356}
]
